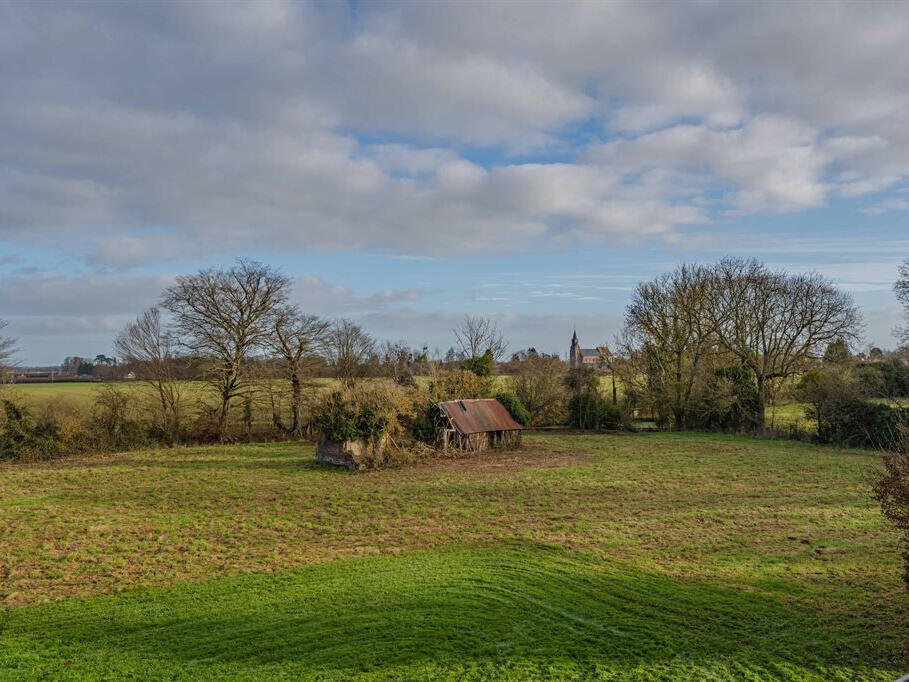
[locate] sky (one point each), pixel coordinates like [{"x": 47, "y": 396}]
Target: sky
[{"x": 407, "y": 163}]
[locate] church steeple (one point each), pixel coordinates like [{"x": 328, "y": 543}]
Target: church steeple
[{"x": 574, "y": 355}]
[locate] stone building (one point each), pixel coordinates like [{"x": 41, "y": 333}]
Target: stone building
[{"x": 587, "y": 357}]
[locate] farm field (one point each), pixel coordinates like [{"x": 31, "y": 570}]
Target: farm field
[
  {"x": 83, "y": 394},
  {"x": 646, "y": 556}
]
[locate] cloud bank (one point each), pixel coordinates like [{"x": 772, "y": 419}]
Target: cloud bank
[{"x": 132, "y": 133}]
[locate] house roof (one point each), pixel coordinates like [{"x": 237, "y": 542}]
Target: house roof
[
  {"x": 593, "y": 352},
  {"x": 479, "y": 416}
]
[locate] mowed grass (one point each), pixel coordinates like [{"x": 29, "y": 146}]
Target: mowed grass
[
  {"x": 647, "y": 556},
  {"x": 84, "y": 394}
]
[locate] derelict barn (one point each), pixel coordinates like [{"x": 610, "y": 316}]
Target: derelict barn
[{"x": 476, "y": 425}]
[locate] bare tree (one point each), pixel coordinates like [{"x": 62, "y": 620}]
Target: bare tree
[
  {"x": 350, "y": 351},
  {"x": 774, "y": 322},
  {"x": 149, "y": 348},
  {"x": 297, "y": 340},
  {"x": 7, "y": 350},
  {"x": 669, "y": 333},
  {"x": 539, "y": 383},
  {"x": 901, "y": 289},
  {"x": 400, "y": 362},
  {"x": 477, "y": 335},
  {"x": 225, "y": 315}
]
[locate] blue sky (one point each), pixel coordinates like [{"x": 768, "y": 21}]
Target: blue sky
[{"x": 408, "y": 163}]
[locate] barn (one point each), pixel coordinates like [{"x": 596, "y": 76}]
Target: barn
[{"x": 476, "y": 425}]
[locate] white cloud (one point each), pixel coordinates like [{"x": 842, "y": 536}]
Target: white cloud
[{"x": 140, "y": 133}]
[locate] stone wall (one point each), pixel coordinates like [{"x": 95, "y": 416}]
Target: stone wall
[{"x": 353, "y": 454}]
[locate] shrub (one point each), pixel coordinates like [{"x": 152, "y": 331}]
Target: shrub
[
  {"x": 459, "y": 384},
  {"x": 116, "y": 420},
  {"x": 891, "y": 488},
  {"x": 23, "y": 436},
  {"x": 481, "y": 365},
  {"x": 371, "y": 412},
  {"x": 590, "y": 410},
  {"x": 728, "y": 400},
  {"x": 861, "y": 423},
  {"x": 515, "y": 408},
  {"x": 423, "y": 427}
]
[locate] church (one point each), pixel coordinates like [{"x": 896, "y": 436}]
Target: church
[{"x": 587, "y": 357}]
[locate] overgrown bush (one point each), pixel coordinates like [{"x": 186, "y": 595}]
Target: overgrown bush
[
  {"x": 24, "y": 436},
  {"x": 481, "y": 365},
  {"x": 459, "y": 384},
  {"x": 861, "y": 424},
  {"x": 117, "y": 420},
  {"x": 373, "y": 411},
  {"x": 515, "y": 407},
  {"x": 423, "y": 427},
  {"x": 728, "y": 400}
]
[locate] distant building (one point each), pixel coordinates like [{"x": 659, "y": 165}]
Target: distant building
[{"x": 587, "y": 357}]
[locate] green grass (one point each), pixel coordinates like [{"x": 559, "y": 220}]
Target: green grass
[
  {"x": 649, "y": 556},
  {"x": 83, "y": 394},
  {"x": 795, "y": 414}
]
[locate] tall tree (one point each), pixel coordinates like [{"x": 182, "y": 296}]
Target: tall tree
[
  {"x": 297, "y": 339},
  {"x": 350, "y": 351},
  {"x": 539, "y": 383},
  {"x": 149, "y": 348},
  {"x": 901, "y": 289},
  {"x": 668, "y": 330},
  {"x": 224, "y": 316},
  {"x": 775, "y": 322},
  {"x": 7, "y": 350},
  {"x": 477, "y": 335}
]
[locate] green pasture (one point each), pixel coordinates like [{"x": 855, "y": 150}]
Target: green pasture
[{"x": 645, "y": 556}]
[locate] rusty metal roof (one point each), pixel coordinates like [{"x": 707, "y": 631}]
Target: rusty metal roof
[{"x": 479, "y": 416}]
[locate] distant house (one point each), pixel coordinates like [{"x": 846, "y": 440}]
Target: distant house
[
  {"x": 587, "y": 357},
  {"x": 476, "y": 425}
]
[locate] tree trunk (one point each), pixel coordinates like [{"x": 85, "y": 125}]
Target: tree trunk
[
  {"x": 165, "y": 419},
  {"x": 222, "y": 417},
  {"x": 760, "y": 417},
  {"x": 296, "y": 399}
]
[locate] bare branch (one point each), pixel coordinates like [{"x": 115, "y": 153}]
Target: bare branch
[
  {"x": 476, "y": 335},
  {"x": 226, "y": 315}
]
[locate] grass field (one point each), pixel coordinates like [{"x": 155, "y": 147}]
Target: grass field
[{"x": 647, "y": 556}]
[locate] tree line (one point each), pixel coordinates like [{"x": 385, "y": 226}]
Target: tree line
[{"x": 703, "y": 347}]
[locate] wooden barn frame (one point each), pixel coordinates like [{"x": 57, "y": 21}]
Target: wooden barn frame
[{"x": 473, "y": 425}]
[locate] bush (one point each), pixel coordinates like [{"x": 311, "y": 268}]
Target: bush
[
  {"x": 861, "y": 424},
  {"x": 515, "y": 408},
  {"x": 590, "y": 410},
  {"x": 371, "y": 412},
  {"x": 23, "y": 436},
  {"x": 116, "y": 420},
  {"x": 482, "y": 365},
  {"x": 891, "y": 488},
  {"x": 728, "y": 401},
  {"x": 423, "y": 427},
  {"x": 459, "y": 384}
]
